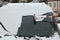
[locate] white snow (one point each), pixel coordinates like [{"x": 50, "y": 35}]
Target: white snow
[
  {"x": 54, "y": 37},
  {"x": 40, "y": 17}
]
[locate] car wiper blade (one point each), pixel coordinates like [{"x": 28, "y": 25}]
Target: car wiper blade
[{"x": 3, "y": 27}]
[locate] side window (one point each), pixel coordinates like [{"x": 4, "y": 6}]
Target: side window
[
  {"x": 50, "y": 4},
  {"x": 54, "y": 4},
  {"x": 59, "y": 4}
]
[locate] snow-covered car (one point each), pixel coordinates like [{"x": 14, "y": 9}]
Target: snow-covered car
[{"x": 11, "y": 14}]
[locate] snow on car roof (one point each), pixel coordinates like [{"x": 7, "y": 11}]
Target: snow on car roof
[{"x": 28, "y": 8}]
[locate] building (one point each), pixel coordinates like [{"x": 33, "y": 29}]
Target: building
[{"x": 55, "y": 4}]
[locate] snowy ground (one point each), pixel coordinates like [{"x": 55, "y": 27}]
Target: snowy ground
[{"x": 54, "y": 37}]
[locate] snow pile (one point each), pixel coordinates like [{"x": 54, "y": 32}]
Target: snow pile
[
  {"x": 54, "y": 37},
  {"x": 12, "y": 37}
]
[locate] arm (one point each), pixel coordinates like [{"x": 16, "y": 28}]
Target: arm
[{"x": 55, "y": 15}]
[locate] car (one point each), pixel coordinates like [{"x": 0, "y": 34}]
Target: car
[{"x": 12, "y": 13}]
